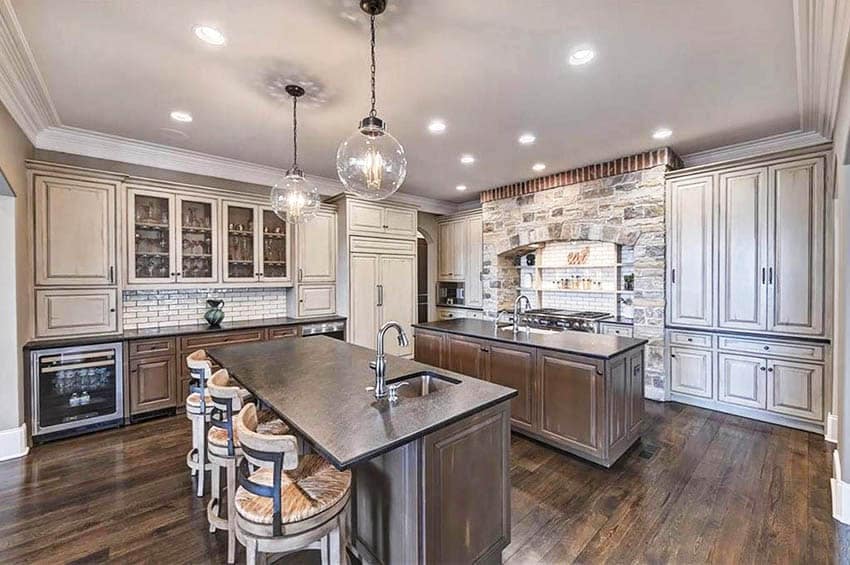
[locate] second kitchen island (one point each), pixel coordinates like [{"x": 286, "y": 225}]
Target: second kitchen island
[{"x": 580, "y": 392}]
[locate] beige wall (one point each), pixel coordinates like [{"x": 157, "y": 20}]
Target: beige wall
[{"x": 14, "y": 149}]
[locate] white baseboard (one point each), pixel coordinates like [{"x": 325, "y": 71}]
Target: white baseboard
[
  {"x": 831, "y": 434},
  {"x": 653, "y": 393},
  {"x": 13, "y": 443},
  {"x": 840, "y": 492}
]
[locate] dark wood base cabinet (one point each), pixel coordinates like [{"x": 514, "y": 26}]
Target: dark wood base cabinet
[
  {"x": 444, "y": 498},
  {"x": 590, "y": 407}
]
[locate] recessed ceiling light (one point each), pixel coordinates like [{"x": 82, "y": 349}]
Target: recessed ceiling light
[
  {"x": 467, "y": 159},
  {"x": 539, "y": 166},
  {"x": 210, "y": 35},
  {"x": 527, "y": 138},
  {"x": 461, "y": 187},
  {"x": 662, "y": 133},
  {"x": 180, "y": 116},
  {"x": 581, "y": 56},
  {"x": 437, "y": 126}
]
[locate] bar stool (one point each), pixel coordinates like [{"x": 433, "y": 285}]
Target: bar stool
[
  {"x": 198, "y": 408},
  {"x": 289, "y": 503},
  {"x": 223, "y": 449}
]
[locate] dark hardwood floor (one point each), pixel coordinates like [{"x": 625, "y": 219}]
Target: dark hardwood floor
[{"x": 700, "y": 487}]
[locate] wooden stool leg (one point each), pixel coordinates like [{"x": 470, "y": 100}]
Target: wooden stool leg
[
  {"x": 202, "y": 455},
  {"x": 333, "y": 545},
  {"x": 325, "y": 549},
  {"x": 251, "y": 551},
  {"x": 194, "y": 442},
  {"x": 231, "y": 511},
  {"x": 215, "y": 491}
]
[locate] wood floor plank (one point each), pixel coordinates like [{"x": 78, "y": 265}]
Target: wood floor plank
[{"x": 701, "y": 487}]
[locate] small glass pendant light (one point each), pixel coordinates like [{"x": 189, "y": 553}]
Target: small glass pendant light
[
  {"x": 295, "y": 199},
  {"x": 371, "y": 162}
]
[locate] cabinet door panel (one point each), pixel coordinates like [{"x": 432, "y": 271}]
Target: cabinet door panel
[
  {"x": 474, "y": 251},
  {"x": 514, "y": 368},
  {"x": 691, "y": 273},
  {"x": 240, "y": 243},
  {"x": 365, "y": 217},
  {"x": 397, "y": 277},
  {"x": 75, "y": 232},
  {"x": 399, "y": 222},
  {"x": 153, "y": 384},
  {"x": 429, "y": 348},
  {"x": 796, "y": 249},
  {"x": 446, "y": 250},
  {"x": 691, "y": 372},
  {"x": 636, "y": 388},
  {"x": 571, "y": 397},
  {"x": 151, "y": 237},
  {"x": 317, "y": 249},
  {"x": 363, "y": 297},
  {"x": 465, "y": 356},
  {"x": 62, "y": 313},
  {"x": 274, "y": 237},
  {"x": 795, "y": 389},
  {"x": 742, "y": 380},
  {"x": 742, "y": 239},
  {"x": 197, "y": 239},
  {"x": 314, "y": 300}
]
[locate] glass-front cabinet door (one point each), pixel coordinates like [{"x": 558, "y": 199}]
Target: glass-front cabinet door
[
  {"x": 275, "y": 240},
  {"x": 240, "y": 224},
  {"x": 151, "y": 254},
  {"x": 197, "y": 246}
]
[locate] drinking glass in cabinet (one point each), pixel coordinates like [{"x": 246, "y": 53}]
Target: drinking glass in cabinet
[
  {"x": 196, "y": 234},
  {"x": 152, "y": 237},
  {"x": 240, "y": 242},
  {"x": 274, "y": 246}
]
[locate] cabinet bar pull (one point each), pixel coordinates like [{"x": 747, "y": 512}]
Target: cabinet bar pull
[
  {"x": 380, "y": 295},
  {"x": 111, "y": 274},
  {"x": 673, "y": 274},
  {"x": 770, "y": 275},
  {"x": 763, "y": 280},
  {"x": 300, "y": 275}
]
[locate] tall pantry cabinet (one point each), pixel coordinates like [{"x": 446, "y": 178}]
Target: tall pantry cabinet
[
  {"x": 376, "y": 280},
  {"x": 747, "y": 281},
  {"x": 461, "y": 252}
]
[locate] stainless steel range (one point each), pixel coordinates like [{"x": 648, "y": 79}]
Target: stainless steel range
[{"x": 554, "y": 319}]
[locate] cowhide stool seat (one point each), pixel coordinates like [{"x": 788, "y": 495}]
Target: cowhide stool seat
[
  {"x": 224, "y": 451},
  {"x": 288, "y": 502}
]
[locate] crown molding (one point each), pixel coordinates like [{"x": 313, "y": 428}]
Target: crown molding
[
  {"x": 22, "y": 88},
  {"x": 821, "y": 28},
  {"x": 88, "y": 143},
  {"x": 763, "y": 146}
]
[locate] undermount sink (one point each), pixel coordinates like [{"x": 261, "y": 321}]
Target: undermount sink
[
  {"x": 530, "y": 330},
  {"x": 422, "y": 384}
]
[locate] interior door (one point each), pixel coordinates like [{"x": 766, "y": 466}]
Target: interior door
[
  {"x": 691, "y": 274},
  {"x": 742, "y": 238},
  {"x": 796, "y": 248},
  {"x": 75, "y": 231},
  {"x": 363, "y": 299},
  {"x": 474, "y": 253},
  {"x": 151, "y": 239},
  {"x": 397, "y": 297},
  {"x": 317, "y": 249}
]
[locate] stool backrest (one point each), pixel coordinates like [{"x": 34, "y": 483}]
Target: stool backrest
[
  {"x": 200, "y": 368},
  {"x": 226, "y": 403},
  {"x": 276, "y": 452}
]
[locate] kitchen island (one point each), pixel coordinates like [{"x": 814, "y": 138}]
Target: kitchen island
[
  {"x": 430, "y": 471},
  {"x": 580, "y": 392}
]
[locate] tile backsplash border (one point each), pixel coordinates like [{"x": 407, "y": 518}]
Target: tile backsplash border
[{"x": 175, "y": 307}]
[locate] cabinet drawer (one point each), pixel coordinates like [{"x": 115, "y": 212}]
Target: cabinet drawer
[
  {"x": 811, "y": 352},
  {"x": 690, "y": 339},
  {"x": 616, "y": 329},
  {"x": 148, "y": 347},
  {"x": 192, "y": 343},
  {"x": 281, "y": 333},
  {"x": 383, "y": 246}
]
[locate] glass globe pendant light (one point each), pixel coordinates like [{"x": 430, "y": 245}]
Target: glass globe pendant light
[
  {"x": 371, "y": 162},
  {"x": 295, "y": 199}
]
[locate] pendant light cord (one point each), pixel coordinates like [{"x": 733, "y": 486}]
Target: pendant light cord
[
  {"x": 373, "y": 113},
  {"x": 294, "y": 132}
]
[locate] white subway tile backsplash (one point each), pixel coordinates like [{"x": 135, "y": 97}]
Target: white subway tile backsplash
[{"x": 157, "y": 308}]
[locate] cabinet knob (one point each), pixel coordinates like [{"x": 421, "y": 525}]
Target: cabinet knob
[
  {"x": 672, "y": 355},
  {"x": 766, "y": 348},
  {"x": 690, "y": 339},
  {"x": 770, "y": 370},
  {"x": 761, "y": 369}
]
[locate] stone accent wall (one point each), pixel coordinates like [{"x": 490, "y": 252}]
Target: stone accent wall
[
  {"x": 626, "y": 209},
  {"x": 158, "y": 308}
]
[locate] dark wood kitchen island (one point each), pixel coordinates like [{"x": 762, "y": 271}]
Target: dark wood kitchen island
[
  {"x": 431, "y": 477},
  {"x": 580, "y": 392}
]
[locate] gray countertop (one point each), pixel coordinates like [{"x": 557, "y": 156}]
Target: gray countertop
[
  {"x": 318, "y": 386},
  {"x": 578, "y": 343},
  {"x": 172, "y": 331}
]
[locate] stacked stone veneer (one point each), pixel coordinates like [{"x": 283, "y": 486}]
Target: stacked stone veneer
[
  {"x": 161, "y": 308},
  {"x": 626, "y": 209}
]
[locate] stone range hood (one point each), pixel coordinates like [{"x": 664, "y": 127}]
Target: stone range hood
[{"x": 625, "y": 209}]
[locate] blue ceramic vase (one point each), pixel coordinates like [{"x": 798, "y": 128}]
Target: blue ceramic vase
[{"x": 214, "y": 315}]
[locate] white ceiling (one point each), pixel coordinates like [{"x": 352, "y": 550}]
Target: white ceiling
[{"x": 715, "y": 71}]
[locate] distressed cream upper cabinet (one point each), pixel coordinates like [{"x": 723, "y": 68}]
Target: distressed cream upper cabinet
[
  {"x": 368, "y": 218},
  {"x": 452, "y": 251},
  {"x": 474, "y": 260},
  {"x": 690, "y": 275},
  {"x": 75, "y": 231},
  {"x": 742, "y": 243},
  {"x": 257, "y": 244},
  {"x": 317, "y": 243},
  {"x": 796, "y": 247}
]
